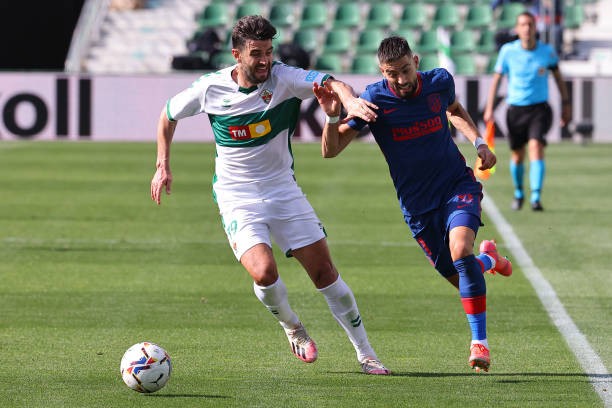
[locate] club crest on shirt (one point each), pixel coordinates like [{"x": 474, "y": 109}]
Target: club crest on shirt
[
  {"x": 266, "y": 95},
  {"x": 434, "y": 102}
]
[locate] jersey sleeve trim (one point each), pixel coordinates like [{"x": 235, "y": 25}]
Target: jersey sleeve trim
[{"x": 168, "y": 114}]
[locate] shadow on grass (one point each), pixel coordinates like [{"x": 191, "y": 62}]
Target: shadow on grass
[
  {"x": 603, "y": 377},
  {"x": 503, "y": 377}
]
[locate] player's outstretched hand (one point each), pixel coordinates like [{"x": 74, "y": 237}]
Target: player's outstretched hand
[
  {"x": 360, "y": 108},
  {"x": 327, "y": 98},
  {"x": 161, "y": 179}
]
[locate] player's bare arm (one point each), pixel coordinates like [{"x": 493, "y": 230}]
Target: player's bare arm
[
  {"x": 332, "y": 141},
  {"x": 566, "y": 108},
  {"x": 355, "y": 107},
  {"x": 463, "y": 122},
  {"x": 488, "y": 112},
  {"x": 163, "y": 175}
]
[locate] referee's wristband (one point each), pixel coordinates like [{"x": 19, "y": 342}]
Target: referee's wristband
[
  {"x": 332, "y": 119},
  {"x": 478, "y": 142}
]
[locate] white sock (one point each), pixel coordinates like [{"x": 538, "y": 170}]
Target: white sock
[
  {"x": 342, "y": 304},
  {"x": 484, "y": 342},
  {"x": 493, "y": 263},
  {"x": 274, "y": 298}
]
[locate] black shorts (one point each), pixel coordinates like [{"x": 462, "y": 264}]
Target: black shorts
[{"x": 528, "y": 122}]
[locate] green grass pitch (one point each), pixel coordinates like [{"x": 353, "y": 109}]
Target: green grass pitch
[{"x": 90, "y": 265}]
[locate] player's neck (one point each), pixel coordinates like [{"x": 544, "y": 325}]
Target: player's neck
[
  {"x": 529, "y": 44},
  {"x": 241, "y": 80}
]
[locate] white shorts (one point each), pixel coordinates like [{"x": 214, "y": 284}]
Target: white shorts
[{"x": 291, "y": 223}]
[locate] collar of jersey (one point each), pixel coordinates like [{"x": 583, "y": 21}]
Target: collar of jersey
[{"x": 247, "y": 90}]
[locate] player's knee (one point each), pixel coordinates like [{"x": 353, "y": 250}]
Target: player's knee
[
  {"x": 461, "y": 249},
  {"x": 263, "y": 273},
  {"x": 264, "y": 277},
  {"x": 324, "y": 275}
]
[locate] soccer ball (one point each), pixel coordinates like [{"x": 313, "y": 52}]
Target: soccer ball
[{"x": 146, "y": 367}]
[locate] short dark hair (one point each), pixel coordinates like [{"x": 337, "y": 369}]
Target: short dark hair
[
  {"x": 392, "y": 49},
  {"x": 526, "y": 14},
  {"x": 251, "y": 28}
]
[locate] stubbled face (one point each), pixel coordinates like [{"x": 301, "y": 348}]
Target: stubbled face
[
  {"x": 525, "y": 28},
  {"x": 401, "y": 75},
  {"x": 254, "y": 61}
]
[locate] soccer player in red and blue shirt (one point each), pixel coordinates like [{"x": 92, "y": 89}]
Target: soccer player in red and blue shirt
[{"x": 437, "y": 191}]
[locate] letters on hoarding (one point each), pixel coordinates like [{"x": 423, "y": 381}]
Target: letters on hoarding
[{"x": 58, "y": 106}]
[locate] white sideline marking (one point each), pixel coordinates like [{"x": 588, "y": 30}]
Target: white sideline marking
[{"x": 591, "y": 363}]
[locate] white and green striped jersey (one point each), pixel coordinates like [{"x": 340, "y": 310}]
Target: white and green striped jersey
[{"x": 252, "y": 127}]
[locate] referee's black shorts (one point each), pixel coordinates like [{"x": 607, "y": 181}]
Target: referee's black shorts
[{"x": 528, "y": 122}]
